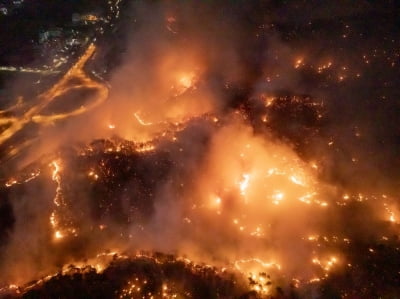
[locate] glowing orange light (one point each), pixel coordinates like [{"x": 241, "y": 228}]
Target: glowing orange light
[
  {"x": 58, "y": 235},
  {"x": 244, "y": 184},
  {"x": 141, "y": 121}
]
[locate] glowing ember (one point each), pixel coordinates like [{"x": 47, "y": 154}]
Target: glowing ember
[
  {"x": 58, "y": 235},
  {"x": 244, "y": 184}
]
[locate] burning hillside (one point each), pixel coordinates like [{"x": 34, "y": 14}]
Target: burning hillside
[{"x": 197, "y": 171}]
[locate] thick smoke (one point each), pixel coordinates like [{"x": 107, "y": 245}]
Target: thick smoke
[{"x": 223, "y": 187}]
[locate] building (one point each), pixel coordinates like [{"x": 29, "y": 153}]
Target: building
[{"x": 89, "y": 18}]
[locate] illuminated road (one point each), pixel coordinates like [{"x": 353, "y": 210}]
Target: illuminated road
[{"x": 35, "y": 113}]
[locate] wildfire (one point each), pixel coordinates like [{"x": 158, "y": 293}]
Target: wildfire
[
  {"x": 296, "y": 180},
  {"x": 184, "y": 82},
  {"x": 60, "y": 204},
  {"x": 264, "y": 174},
  {"x": 254, "y": 262},
  {"x": 207, "y": 183},
  {"x": 62, "y": 87},
  {"x": 147, "y": 147},
  {"x": 56, "y": 178},
  {"x": 170, "y": 24},
  {"x": 390, "y": 211},
  {"x": 278, "y": 196},
  {"x": 244, "y": 184},
  {"x": 327, "y": 264},
  {"x": 58, "y": 235},
  {"x": 141, "y": 121},
  {"x": 256, "y": 270},
  {"x": 298, "y": 63}
]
